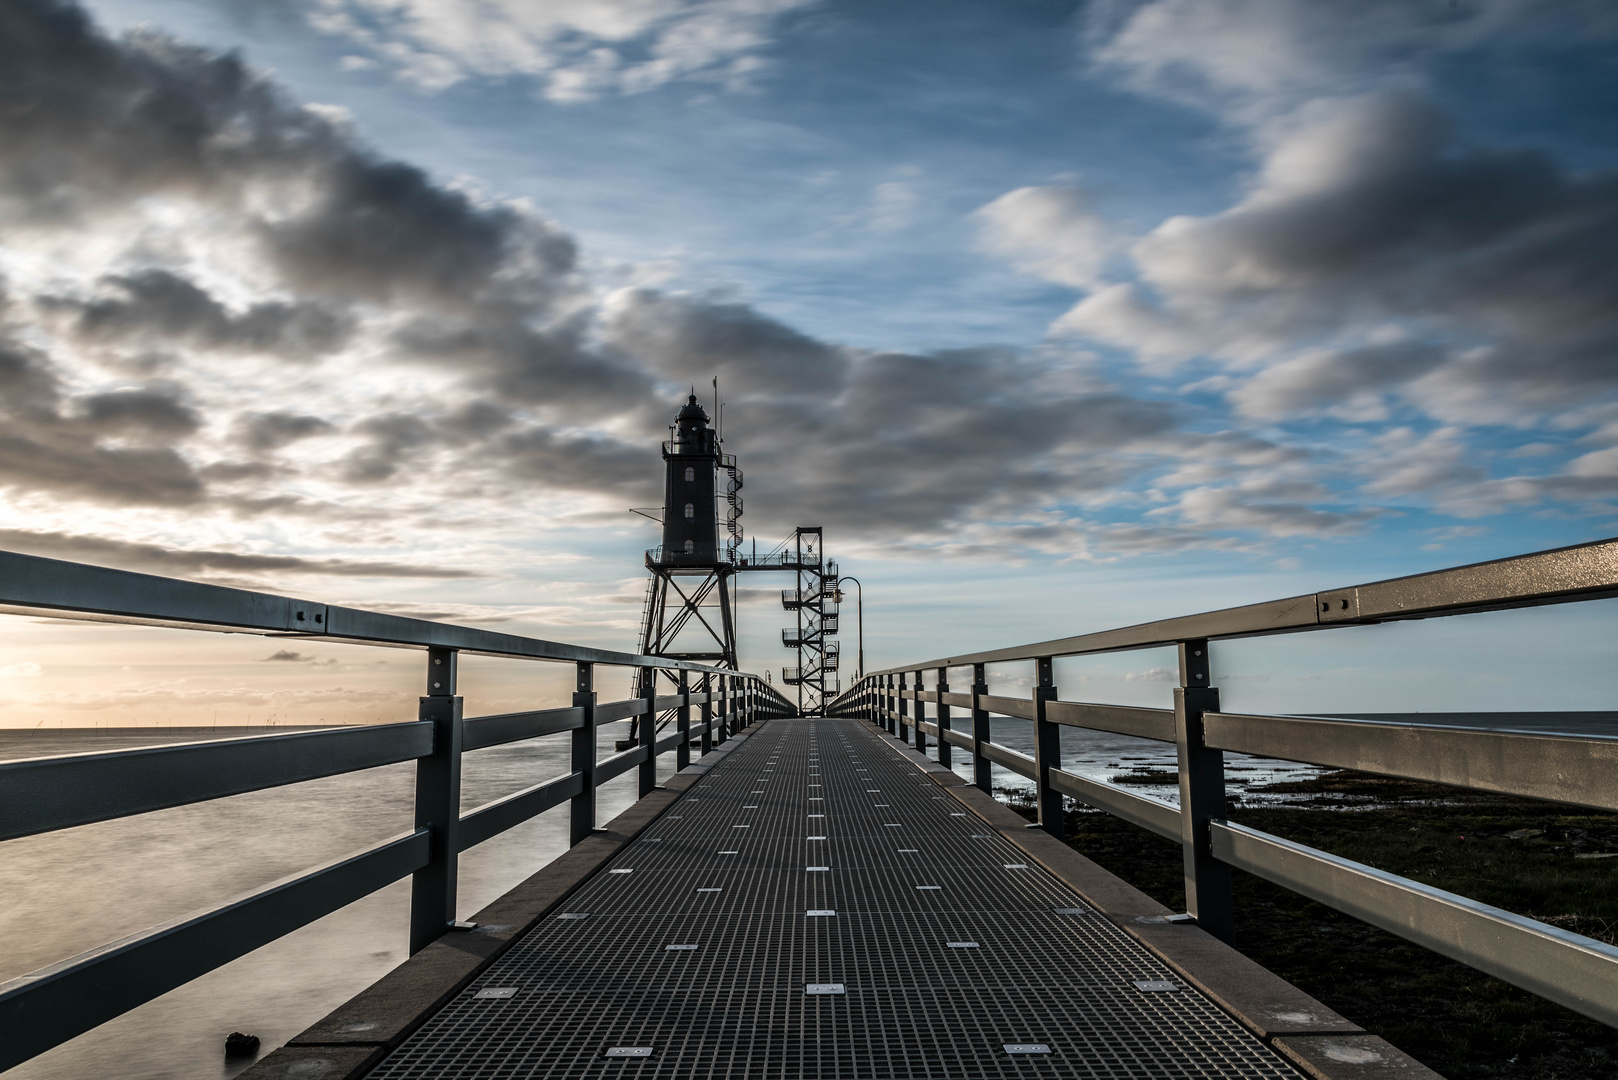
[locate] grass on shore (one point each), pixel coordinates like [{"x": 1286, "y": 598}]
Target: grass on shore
[{"x": 1516, "y": 854}]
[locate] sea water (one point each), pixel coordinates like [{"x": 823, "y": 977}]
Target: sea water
[{"x": 64, "y": 892}]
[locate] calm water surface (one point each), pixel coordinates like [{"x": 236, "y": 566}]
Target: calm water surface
[
  {"x": 73, "y": 890},
  {"x": 69, "y": 891}
]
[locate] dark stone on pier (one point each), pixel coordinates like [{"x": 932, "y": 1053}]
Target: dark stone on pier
[{"x": 240, "y": 1045}]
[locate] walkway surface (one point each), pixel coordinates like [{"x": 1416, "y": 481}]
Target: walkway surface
[{"x": 816, "y": 906}]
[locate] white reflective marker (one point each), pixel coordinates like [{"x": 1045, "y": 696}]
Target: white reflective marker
[
  {"x": 823, "y": 988},
  {"x": 497, "y": 992}
]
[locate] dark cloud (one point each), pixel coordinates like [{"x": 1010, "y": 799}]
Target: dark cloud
[
  {"x": 182, "y": 562},
  {"x": 693, "y": 339},
  {"x": 157, "y": 305},
  {"x": 51, "y": 442},
  {"x": 384, "y": 231},
  {"x": 538, "y": 456},
  {"x": 269, "y": 431},
  {"x": 892, "y": 443},
  {"x": 148, "y": 411},
  {"x": 96, "y": 122},
  {"x": 1498, "y": 268},
  {"x": 92, "y": 122},
  {"x": 390, "y": 441},
  {"x": 553, "y": 370}
]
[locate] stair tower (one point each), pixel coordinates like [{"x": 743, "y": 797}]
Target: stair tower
[{"x": 814, "y": 602}]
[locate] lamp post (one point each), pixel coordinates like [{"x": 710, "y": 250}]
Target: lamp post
[{"x": 859, "y": 610}]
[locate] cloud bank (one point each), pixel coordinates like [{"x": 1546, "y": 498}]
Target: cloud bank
[{"x": 221, "y": 306}]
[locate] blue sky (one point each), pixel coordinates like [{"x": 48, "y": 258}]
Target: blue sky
[{"x": 1150, "y": 305}]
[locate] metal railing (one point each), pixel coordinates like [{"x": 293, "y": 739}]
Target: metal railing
[
  {"x": 49, "y": 1006},
  {"x": 1570, "y": 969}
]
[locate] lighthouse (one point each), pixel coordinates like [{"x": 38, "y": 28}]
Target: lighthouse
[
  {"x": 691, "y": 462},
  {"x": 690, "y": 611}
]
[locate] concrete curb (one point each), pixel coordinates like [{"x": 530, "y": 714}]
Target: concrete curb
[
  {"x": 1314, "y": 1038},
  {"x": 345, "y": 1043}
]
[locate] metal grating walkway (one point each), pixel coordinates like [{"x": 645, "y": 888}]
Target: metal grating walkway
[{"x": 814, "y": 856}]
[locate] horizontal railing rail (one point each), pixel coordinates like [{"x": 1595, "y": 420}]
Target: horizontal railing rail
[
  {"x": 1574, "y": 970},
  {"x": 45, "y": 794},
  {"x": 480, "y": 732},
  {"x": 1582, "y": 572},
  {"x": 47, "y": 1007}
]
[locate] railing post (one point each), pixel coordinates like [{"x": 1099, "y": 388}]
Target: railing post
[
  {"x": 921, "y": 715},
  {"x": 894, "y": 727},
  {"x": 648, "y": 733},
  {"x": 724, "y": 707},
  {"x": 946, "y": 757},
  {"x": 1202, "y": 794},
  {"x": 1047, "y": 750},
  {"x": 582, "y": 819},
  {"x": 904, "y": 711},
  {"x": 438, "y": 804},
  {"x": 707, "y": 714},
  {"x": 980, "y": 730},
  {"x": 682, "y": 723}
]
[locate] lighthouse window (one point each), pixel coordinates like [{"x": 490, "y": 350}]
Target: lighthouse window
[
  {"x": 690, "y": 547},
  {"x": 690, "y": 474},
  {"x": 690, "y": 512}
]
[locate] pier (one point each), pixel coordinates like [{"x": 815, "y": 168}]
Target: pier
[{"x": 811, "y": 895}]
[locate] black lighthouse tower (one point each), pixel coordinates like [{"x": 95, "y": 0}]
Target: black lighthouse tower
[{"x": 690, "y": 603}]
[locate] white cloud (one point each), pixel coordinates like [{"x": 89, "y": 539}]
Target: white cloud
[
  {"x": 578, "y": 49},
  {"x": 1252, "y": 58},
  {"x": 1052, "y": 232}
]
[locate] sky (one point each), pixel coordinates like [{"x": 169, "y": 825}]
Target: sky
[{"x": 1056, "y": 317}]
